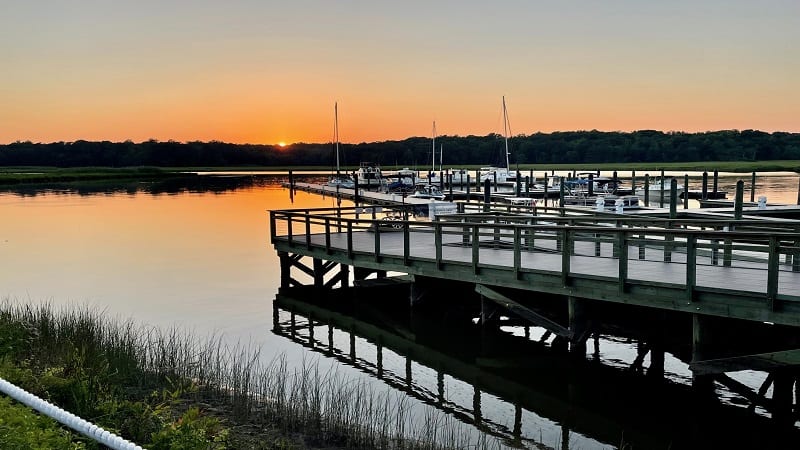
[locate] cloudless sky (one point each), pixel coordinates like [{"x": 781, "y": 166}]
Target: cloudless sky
[{"x": 270, "y": 71}]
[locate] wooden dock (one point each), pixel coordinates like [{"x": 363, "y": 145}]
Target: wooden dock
[{"x": 727, "y": 274}]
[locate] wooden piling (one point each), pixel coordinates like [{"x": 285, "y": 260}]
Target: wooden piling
[
  {"x": 686, "y": 191},
  {"x": 739, "y": 200},
  {"x": 590, "y": 186},
  {"x": 705, "y": 186},
  {"x": 646, "y": 189},
  {"x": 661, "y": 201},
  {"x": 673, "y": 197},
  {"x": 487, "y": 194},
  {"x": 716, "y": 182},
  {"x": 753, "y": 188}
]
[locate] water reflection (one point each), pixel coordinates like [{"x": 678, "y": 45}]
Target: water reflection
[
  {"x": 515, "y": 388},
  {"x": 186, "y": 183}
]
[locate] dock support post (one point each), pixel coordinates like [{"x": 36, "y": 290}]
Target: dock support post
[
  {"x": 753, "y": 188},
  {"x": 494, "y": 177},
  {"x": 489, "y": 314},
  {"x": 469, "y": 183},
  {"x": 633, "y": 182},
  {"x": 661, "y": 201},
  {"x": 647, "y": 190},
  {"x": 518, "y": 186},
  {"x": 528, "y": 185},
  {"x": 578, "y": 325},
  {"x": 702, "y": 341},
  {"x": 782, "y": 396},
  {"x": 561, "y": 196},
  {"x": 319, "y": 273},
  {"x": 286, "y": 268},
  {"x": 656, "y": 369},
  {"x": 590, "y": 185}
]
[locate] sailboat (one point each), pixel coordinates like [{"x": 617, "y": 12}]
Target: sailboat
[
  {"x": 433, "y": 177},
  {"x": 503, "y": 174},
  {"x": 339, "y": 180}
]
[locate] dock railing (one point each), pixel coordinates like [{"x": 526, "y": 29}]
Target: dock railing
[{"x": 764, "y": 252}]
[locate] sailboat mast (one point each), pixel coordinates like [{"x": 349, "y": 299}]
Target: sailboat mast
[
  {"x": 433, "y": 149},
  {"x": 505, "y": 130},
  {"x": 336, "y": 133}
]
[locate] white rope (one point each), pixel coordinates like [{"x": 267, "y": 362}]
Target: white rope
[{"x": 71, "y": 420}]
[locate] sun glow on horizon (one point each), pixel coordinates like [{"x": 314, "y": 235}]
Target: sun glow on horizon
[{"x": 281, "y": 144}]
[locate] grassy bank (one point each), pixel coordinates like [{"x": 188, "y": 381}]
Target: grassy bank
[
  {"x": 31, "y": 175},
  {"x": 167, "y": 389}
]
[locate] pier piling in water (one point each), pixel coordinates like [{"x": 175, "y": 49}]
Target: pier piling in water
[
  {"x": 753, "y": 188},
  {"x": 716, "y": 182},
  {"x": 705, "y": 186},
  {"x": 647, "y": 189},
  {"x": 686, "y": 191}
]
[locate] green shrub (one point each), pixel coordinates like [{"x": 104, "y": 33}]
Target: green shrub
[{"x": 20, "y": 427}]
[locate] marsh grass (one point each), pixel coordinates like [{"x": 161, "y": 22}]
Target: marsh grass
[
  {"x": 324, "y": 407},
  {"x": 19, "y": 175}
]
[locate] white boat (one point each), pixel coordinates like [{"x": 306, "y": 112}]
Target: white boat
[
  {"x": 459, "y": 176},
  {"x": 608, "y": 202},
  {"x": 501, "y": 174},
  {"x": 655, "y": 188},
  {"x": 339, "y": 180},
  {"x": 369, "y": 174},
  {"x": 428, "y": 191}
]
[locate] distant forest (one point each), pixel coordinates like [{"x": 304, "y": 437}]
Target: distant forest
[{"x": 575, "y": 147}]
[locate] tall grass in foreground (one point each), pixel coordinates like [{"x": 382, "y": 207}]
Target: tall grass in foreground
[{"x": 323, "y": 406}]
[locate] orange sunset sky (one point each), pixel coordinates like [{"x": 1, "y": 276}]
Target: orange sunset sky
[{"x": 270, "y": 71}]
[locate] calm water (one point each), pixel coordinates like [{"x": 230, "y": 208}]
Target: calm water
[{"x": 196, "y": 253}]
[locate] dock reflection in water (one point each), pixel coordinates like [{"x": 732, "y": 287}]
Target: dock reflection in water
[{"x": 525, "y": 392}]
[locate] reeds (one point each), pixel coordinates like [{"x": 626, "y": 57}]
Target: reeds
[{"x": 324, "y": 406}]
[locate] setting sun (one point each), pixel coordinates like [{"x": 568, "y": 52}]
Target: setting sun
[{"x": 281, "y": 144}]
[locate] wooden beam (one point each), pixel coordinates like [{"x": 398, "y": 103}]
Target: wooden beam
[
  {"x": 760, "y": 361},
  {"x": 522, "y": 311}
]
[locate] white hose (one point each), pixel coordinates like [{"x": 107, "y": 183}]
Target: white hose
[{"x": 71, "y": 420}]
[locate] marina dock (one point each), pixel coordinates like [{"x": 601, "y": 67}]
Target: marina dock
[{"x": 732, "y": 273}]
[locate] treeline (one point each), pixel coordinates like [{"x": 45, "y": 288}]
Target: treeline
[{"x": 573, "y": 147}]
